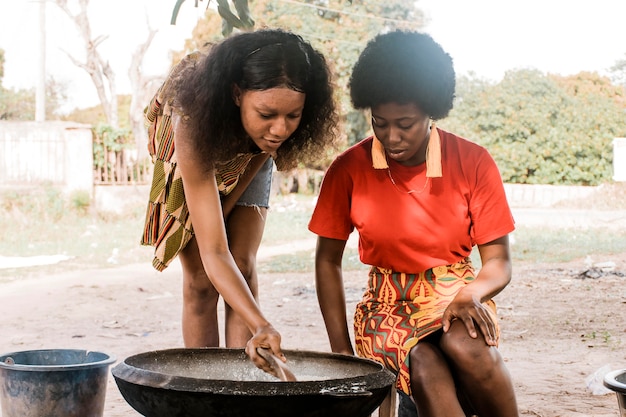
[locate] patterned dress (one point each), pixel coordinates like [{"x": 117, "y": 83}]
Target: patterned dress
[
  {"x": 399, "y": 309},
  {"x": 168, "y": 225}
]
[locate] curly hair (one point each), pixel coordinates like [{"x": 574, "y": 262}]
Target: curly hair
[
  {"x": 258, "y": 60},
  {"x": 404, "y": 67}
]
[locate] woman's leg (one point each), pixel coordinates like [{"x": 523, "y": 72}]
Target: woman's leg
[
  {"x": 480, "y": 372},
  {"x": 432, "y": 384},
  {"x": 244, "y": 227},
  {"x": 200, "y": 327}
]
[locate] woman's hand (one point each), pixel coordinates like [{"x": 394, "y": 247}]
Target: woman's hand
[
  {"x": 265, "y": 337},
  {"x": 467, "y": 308}
]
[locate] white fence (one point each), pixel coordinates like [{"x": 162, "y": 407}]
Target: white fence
[{"x": 58, "y": 153}]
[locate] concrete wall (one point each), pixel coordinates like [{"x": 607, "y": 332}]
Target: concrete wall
[
  {"x": 56, "y": 153},
  {"x": 540, "y": 195},
  {"x": 619, "y": 159},
  {"x": 121, "y": 198}
]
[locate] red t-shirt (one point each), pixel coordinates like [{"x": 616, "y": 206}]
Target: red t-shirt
[{"x": 437, "y": 224}]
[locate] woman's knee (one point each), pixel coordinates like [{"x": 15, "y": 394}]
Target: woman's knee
[
  {"x": 197, "y": 288},
  {"x": 246, "y": 262},
  {"x": 466, "y": 353},
  {"x": 424, "y": 358},
  {"x": 195, "y": 279},
  {"x": 245, "y": 231}
]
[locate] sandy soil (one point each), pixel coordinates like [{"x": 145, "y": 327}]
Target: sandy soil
[{"x": 558, "y": 328}]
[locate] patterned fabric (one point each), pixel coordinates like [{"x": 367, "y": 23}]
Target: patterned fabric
[
  {"x": 399, "y": 309},
  {"x": 168, "y": 225}
]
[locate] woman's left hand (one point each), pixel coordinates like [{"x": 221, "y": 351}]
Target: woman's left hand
[
  {"x": 469, "y": 309},
  {"x": 467, "y": 306}
]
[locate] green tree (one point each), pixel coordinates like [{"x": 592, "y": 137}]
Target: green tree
[
  {"x": 20, "y": 104},
  {"x": 95, "y": 115},
  {"x": 339, "y": 29},
  {"x": 543, "y": 129},
  {"x": 1, "y": 66},
  {"x": 16, "y": 105},
  {"x": 240, "y": 18}
]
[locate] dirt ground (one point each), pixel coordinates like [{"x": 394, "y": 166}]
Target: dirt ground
[{"x": 558, "y": 328}]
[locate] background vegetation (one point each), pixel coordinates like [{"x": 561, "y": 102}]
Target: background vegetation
[{"x": 541, "y": 128}]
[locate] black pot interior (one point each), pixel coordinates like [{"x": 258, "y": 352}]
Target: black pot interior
[
  {"x": 230, "y": 371},
  {"x": 217, "y": 382}
]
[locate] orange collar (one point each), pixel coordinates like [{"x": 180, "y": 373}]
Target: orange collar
[{"x": 433, "y": 154}]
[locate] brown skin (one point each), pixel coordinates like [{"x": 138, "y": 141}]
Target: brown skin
[
  {"x": 244, "y": 228},
  {"x": 403, "y": 130},
  {"x": 200, "y": 327},
  {"x": 223, "y": 251},
  {"x": 463, "y": 355},
  {"x": 466, "y": 352}
]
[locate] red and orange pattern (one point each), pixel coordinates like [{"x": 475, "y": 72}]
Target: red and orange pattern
[{"x": 399, "y": 309}]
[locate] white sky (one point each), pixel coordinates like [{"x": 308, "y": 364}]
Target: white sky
[
  {"x": 563, "y": 37},
  {"x": 484, "y": 36},
  {"x": 125, "y": 22}
]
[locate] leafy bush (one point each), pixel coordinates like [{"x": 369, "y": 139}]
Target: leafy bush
[
  {"x": 543, "y": 129},
  {"x": 108, "y": 138}
]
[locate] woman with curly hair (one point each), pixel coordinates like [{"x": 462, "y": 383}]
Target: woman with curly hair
[
  {"x": 215, "y": 126},
  {"x": 420, "y": 198}
]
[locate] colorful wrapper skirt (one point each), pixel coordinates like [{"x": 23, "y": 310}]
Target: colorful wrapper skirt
[{"x": 400, "y": 309}]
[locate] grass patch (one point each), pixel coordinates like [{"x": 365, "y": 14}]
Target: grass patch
[
  {"x": 304, "y": 261},
  {"x": 288, "y": 222},
  {"x": 288, "y": 219},
  {"x": 563, "y": 245},
  {"x": 301, "y": 261},
  {"x": 45, "y": 222}
]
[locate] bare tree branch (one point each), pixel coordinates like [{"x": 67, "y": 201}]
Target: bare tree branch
[
  {"x": 97, "y": 67},
  {"x": 143, "y": 88}
]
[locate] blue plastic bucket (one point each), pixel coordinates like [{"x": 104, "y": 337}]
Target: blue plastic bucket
[{"x": 53, "y": 383}]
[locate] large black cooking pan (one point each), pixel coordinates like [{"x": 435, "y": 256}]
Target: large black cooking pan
[{"x": 221, "y": 382}]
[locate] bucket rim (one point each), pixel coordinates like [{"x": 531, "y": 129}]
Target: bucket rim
[
  {"x": 611, "y": 382},
  {"x": 108, "y": 360}
]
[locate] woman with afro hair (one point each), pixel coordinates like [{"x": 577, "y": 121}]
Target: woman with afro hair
[
  {"x": 420, "y": 199},
  {"x": 215, "y": 127}
]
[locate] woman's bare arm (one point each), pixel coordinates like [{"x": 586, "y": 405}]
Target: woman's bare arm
[
  {"x": 493, "y": 277},
  {"x": 330, "y": 293},
  {"x": 205, "y": 209}
]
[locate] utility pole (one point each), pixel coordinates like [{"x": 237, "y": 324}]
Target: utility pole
[{"x": 40, "y": 94}]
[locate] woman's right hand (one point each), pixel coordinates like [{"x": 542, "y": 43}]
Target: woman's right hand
[{"x": 265, "y": 337}]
